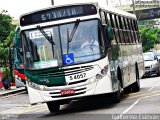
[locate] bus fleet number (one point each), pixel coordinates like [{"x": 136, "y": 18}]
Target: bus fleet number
[{"x": 78, "y": 76}]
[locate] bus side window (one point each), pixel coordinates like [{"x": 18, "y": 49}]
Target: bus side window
[
  {"x": 134, "y": 31},
  {"x": 117, "y": 29},
  {"x": 124, "y": 30},
  {"x": 137, "y": 31},
  {"x": 114, "y": 41},
  {"x": 108, "y": 19},
  {"x": 103, "y": 18},
  {"x": 121, "y": 29},
  {"x": 130, "y": 30},
  {"x": 127, "y": 32},
  {"x": 134, "y": 39}
]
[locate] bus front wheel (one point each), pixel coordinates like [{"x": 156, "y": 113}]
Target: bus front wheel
[
  {"x": 53, "y": 106},
  {"x": 117, "y": 95}
]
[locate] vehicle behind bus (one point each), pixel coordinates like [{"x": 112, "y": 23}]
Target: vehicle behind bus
[{"x": 16, "y": 61}]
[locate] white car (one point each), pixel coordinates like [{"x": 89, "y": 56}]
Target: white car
[{"x": 151, "y": 63}]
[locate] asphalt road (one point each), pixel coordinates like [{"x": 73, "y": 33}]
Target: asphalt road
[{"x": 145, "y": 102}]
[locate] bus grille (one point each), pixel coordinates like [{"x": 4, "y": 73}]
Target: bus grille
[
  {"x": 71, "y": 83},
  {"x": 70, "y": 71}
]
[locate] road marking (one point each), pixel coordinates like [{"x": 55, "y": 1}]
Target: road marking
[
  {"x": 151, "y": 96},
  {"x": 154, "y": 86},
  {"x": 140, "y": 95},
  {"x": 130, "y": 107}
]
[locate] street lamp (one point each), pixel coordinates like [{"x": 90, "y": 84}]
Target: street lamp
[
  {"x": 52, "y": 2},
  {"x": 134, "y": 10}
]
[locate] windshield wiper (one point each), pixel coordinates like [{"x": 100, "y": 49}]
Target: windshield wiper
[
  {"x": 74, "y": 30},
  {"x": 45, "y": 35},
  {"x": 70, "y": 37}
]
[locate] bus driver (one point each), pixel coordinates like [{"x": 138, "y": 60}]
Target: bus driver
[{"x": 89, "y": 42}]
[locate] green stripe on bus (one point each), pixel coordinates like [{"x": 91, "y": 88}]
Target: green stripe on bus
[{"x": 47, "y": 77}]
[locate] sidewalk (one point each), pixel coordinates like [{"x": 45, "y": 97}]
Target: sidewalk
[{"x": 13, "y": 90}]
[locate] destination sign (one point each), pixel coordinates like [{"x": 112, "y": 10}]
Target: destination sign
[{"x": 57, "y": 14}]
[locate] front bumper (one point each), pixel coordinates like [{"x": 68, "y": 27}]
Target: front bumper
[
  {"x": 81, "y": 90},
  {"x": 150, "y": 71}
]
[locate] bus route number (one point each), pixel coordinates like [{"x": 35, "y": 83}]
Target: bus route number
[{"x": 78, "y": 76}]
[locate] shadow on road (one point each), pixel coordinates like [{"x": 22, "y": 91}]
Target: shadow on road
[
  {"x": 73, "y": 109},
  {"x": 152, "y": 76},
  {"x": 86, "y": 104}
]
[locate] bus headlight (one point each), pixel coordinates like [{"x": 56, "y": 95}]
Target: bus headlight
[
  {"x": 35, "y": 86},
  {"x": 92, "y": 80},
  {"x": 98, "y": 76}
]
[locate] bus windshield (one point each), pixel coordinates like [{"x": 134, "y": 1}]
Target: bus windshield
[{"x": 87, "y": 45}]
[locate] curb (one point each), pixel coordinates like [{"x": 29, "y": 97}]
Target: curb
[{"x": 8, "y": 92}]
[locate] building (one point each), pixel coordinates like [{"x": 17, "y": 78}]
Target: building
[
  {"x": 15, "y": 22},
  {"x": 140, "y": 4}
]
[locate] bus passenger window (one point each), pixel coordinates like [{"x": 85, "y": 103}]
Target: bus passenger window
[
  {"x": 118, "y": 26},
  {"x": 103, "y": 17},
  {"x": 121, "y": 30},
  {"x": 130, "y": 30},
  {"x": 113, "y": 27}
]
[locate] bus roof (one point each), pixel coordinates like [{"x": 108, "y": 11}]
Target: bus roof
[
  {"x": 102, "y": 3},
  {"x": 119, "y": 12},
  {"x": 105, "y": 7}
]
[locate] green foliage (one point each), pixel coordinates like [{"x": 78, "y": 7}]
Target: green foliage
[
  {"x": 6, "y": 36},
  {"x": 150, "y": 37}
]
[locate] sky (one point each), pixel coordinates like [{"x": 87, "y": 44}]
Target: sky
[{"x": 16, "y": 8}]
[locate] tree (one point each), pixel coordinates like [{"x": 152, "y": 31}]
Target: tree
[
  {"x": 6, "y": 36},
  {"x": 149, "y": 37}
]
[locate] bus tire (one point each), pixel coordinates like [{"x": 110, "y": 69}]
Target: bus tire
[
  {"x": 136, "y": 86},
  {"x": 53, "y": 107},
  {"x": 127, "y": 90},
  {"x": 117, "y": 95}
]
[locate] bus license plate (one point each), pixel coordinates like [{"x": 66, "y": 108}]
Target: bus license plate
[{"x": 67, "y": 92}]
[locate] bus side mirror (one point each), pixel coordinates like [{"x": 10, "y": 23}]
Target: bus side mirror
[{"x": 110, "y": 33}]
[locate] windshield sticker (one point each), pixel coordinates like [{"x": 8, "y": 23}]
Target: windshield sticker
[
  {"x": 68, "y": 59},
  {"x": 37, "y": 34},
  {"x": 45, "y": 64}
]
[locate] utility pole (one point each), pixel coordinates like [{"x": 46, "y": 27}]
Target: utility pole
[
  {"x": 107, "y": 2},
  {"x": 134, "y": 10},
  {"x": 120, "y": 2},
  {"x": 52, "y": 2}
]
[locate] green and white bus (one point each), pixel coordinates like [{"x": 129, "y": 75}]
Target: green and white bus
[{"x": 60, "y": 67}]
